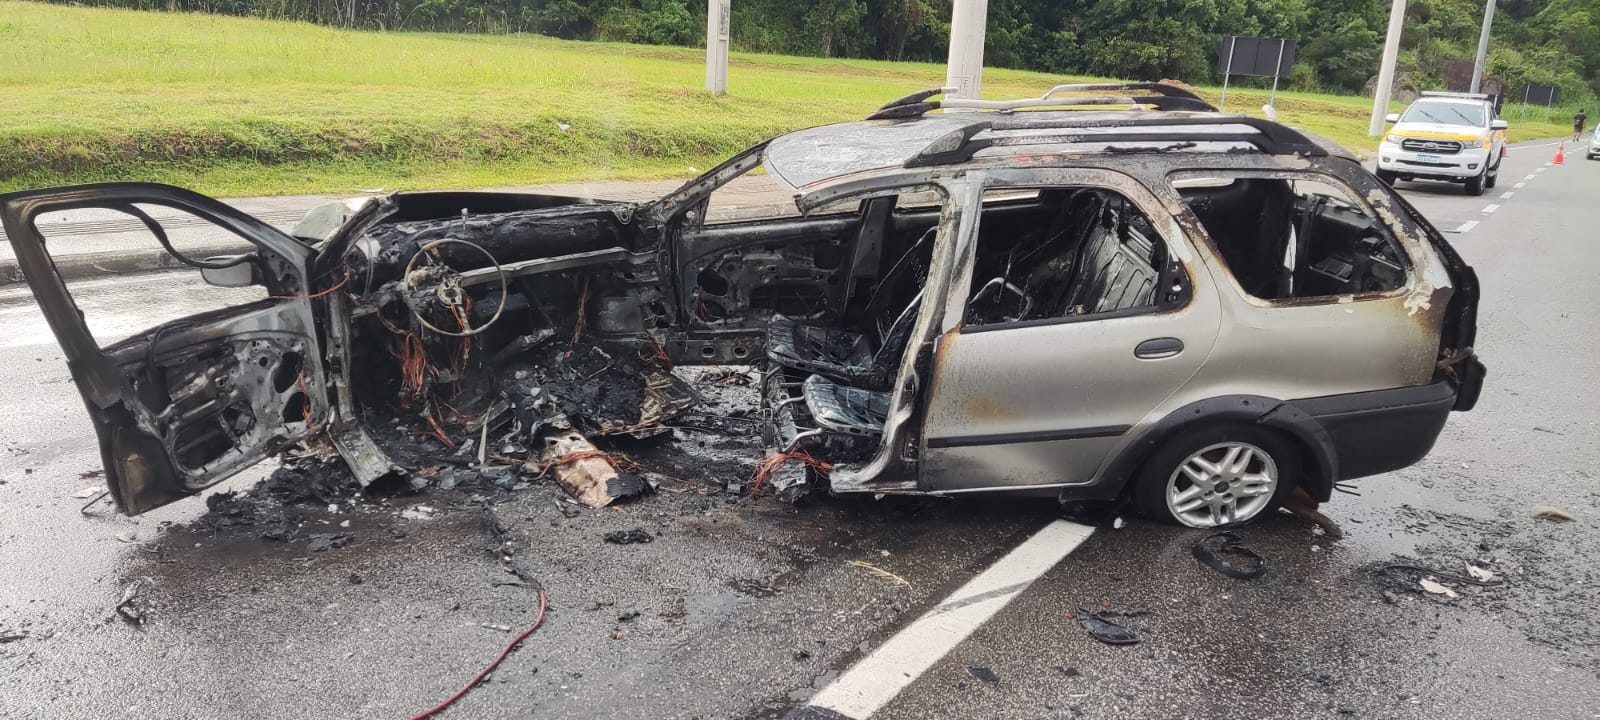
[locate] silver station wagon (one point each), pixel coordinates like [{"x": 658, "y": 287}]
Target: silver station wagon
[{"x": 1106, "y": 292}]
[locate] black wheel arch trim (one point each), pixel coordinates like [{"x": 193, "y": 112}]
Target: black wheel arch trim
[{"x": 1270, "y": 412}]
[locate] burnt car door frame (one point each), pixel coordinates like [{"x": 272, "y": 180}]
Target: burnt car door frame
[
  {"x": 138, "y": 442},
  {"x": 1054, "y": 455},
  {"x": 693, "y": 243}
]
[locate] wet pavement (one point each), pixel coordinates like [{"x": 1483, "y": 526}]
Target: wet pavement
[{"x": 742, "y": 609}]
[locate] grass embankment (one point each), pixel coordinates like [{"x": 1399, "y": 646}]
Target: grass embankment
[{"x": 234, "y": 106}]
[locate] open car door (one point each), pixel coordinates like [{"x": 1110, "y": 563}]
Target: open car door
[{"x": 183, "y": 405}]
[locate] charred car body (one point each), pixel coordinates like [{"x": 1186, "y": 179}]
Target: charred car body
[{"x": 1203, "y": 310}]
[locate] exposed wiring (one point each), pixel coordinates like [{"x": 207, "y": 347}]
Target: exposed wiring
[
  {"x": 438, "y": 432},
  {"x": 413, "y": 357},
  {"x": 776, "y": 460},
  {"x": 313, "y": 296},
  {"x": 583, "y": 302},
  {"x": 537, "y": 621}
]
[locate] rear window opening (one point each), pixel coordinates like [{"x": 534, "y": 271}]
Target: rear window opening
[{"x": 1293, "y": 239}]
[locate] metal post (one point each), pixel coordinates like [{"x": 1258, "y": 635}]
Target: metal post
[
  {"x": 717, "y": 17},
  {"x": 1227, "y": 69},
  {"x": 964, "y": 69},
  {"x": 1277, "y": 69},
  {"x": 1483, "y": 46},
  {"x": 1391, "y": 51}
]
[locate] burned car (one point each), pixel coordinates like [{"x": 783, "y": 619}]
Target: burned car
[{"x": 1108, "y": 291}]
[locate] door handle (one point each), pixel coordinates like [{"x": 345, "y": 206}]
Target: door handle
[{"x": 1158, "y": 348}]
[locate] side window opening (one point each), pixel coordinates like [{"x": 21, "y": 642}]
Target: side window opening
[
  {"x": 756, "y": 196},
  {"x": 1062, "y": 252},
  {"x": 1294, "y": 239},
  {"x": 184, "y": 293}
]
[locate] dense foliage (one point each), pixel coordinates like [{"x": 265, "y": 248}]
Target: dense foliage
[{"x": 1540, "y": 41}]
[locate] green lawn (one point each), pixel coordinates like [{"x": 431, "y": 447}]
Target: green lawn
[{"x": 233, "y": 106}]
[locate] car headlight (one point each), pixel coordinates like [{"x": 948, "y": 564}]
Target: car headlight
[
  {"x": 1394, "y": 138},
  {"x": 1488, "y": 142}
]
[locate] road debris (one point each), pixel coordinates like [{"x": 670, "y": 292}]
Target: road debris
[
  {"x": 880, "y": 573},
  {"x": 505, "y": 550},
  {"x": 1552, "y": 513},
  {"x": 86, "y": 474},
  {"x": 586, "y": 472},
  {"x": 1104, "y": 630},
  {"x": 418, "y": 512},
  {"x": 128, "y": 606},
  {"x": 629, "y": 537},
  {"x": 323, "y": 542},
  {"x": 89, "y": 492},
  {"x": 128, "y": 536},
  {"x": 1305, "y": 507},
  {"x": 1433, "y": 586},
  {"x": 983, "y": 674},
  {"x": 1223, "y": 552},
  {"x": 1397, "y": 578}
]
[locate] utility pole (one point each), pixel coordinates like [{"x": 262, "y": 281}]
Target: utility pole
[
  {"x": 1391, "y": 51},
  {"x": 1483, "y": 45},
  {"x": 964, "y": 70},
  {"x": 717, "y": 16}
]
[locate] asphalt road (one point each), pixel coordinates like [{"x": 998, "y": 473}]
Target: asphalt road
[{"x": 746, "y": 609}]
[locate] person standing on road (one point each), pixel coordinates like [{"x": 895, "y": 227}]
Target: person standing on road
[{"x": 1578, "y": 121}]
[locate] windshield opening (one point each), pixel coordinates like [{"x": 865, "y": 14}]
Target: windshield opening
[{"x": 1445, "y": 114}]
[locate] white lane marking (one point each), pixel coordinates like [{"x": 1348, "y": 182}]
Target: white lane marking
[
  {"x": 1520, "y": 185},
  {"x": 1490, "y": 208},
  {"x": 880, "y": 676},
  {"x": 1530, "y": 176},
  {"x": 1507, "y": 194},
  {"x": 1465, "y": 227},
  {"x": 1547, "y": 164}
]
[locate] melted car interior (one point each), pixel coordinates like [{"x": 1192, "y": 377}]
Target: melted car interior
[{"x": 1285, "y": 239}]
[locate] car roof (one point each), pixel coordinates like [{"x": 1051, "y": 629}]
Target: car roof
[
  {"x": 808, "y": 159},
  {"x": 1152, "y": 119}
]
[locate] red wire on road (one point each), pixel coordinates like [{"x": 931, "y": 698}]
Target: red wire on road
[{"x": 503, "y": 653}]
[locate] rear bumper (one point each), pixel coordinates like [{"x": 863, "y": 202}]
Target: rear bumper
[{"x": 1383, "y": 430}]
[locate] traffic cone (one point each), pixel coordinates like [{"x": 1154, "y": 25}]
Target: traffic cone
[{"x": 1561, "y": 156}]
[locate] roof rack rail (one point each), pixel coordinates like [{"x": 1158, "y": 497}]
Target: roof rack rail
[
  {"x": 962, "y": 144},
  {"x": 1161, "y": 97},
  {"x": 1463, "y": 95}
]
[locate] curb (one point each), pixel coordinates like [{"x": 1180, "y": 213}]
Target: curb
[{"x": 118, "y": 262}]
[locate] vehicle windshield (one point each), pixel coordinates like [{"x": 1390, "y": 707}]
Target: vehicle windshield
[{"x": 1445, "y": 113}]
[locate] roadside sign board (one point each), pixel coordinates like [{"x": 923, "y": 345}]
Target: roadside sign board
[{"x": 1265, "y": 57}]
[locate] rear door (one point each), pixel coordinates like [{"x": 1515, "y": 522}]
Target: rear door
[
  {"x": 1057, "y": 344},
  {"x": 191, "y": 401}
]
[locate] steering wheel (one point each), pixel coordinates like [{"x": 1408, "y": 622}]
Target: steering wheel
[{"x": 448, "y": 291}]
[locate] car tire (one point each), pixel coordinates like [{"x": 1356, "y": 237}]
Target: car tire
[
  {"x": 1161, "y": 489},
  {"x": 1386, "y": 177},
  {"x": 1475, "y": 185},
  {"x": 1494, "y": 177}
]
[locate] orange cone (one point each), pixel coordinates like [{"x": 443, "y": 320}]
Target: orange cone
[{"x": 1561, "y": 156}]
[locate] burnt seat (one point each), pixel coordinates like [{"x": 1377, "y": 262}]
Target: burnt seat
[{"x": 860, "y": 359}]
